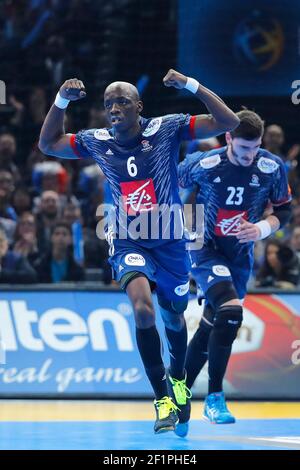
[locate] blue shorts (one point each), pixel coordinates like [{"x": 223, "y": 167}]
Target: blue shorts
[
  {"x": 209, "y": 267},
  {"x": 167, "y": 265}
]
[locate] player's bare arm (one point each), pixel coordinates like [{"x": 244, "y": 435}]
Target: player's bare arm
[
  {"x": 220, "y": 120},
  {"x": 53, "y": 139},
  {"x": 252, "y": 232}
]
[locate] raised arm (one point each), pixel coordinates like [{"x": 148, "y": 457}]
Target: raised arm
[
  {"x": 221, "y": 119},
  {"x": 53, "y": 139}
]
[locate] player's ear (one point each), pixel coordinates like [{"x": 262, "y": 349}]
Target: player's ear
[
  {"x": 228, "y": 138},
  {"x": 140, "y": 106}
]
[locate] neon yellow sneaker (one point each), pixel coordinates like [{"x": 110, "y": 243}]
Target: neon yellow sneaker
[
  {"x": 181, "y": 395},
  {"x": 166, "y": 415}
]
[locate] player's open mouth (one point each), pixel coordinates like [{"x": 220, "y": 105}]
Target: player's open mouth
[{"x": 115, "y": 119}]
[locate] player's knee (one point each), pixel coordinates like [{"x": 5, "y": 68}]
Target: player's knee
[
  {"x": 173, "y": 322},
  {"x": 227, "y": 323},
  {"x": 221, "y": 293},
  {"x": 144, "y": 313},
  {"x": 172, "y": 313}
]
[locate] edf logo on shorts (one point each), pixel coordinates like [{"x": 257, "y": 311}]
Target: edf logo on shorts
[{"x": 134, "y": 259}]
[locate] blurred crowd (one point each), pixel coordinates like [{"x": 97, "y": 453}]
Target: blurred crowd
[{"x": 48, "y": 206}]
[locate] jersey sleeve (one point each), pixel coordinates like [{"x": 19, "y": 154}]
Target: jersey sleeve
[
  {"x": 80, "y": 143},
  {"x": 189, "y": 170},
  {"x": 280, "y": 192},
  {"x": 185, "y": 126}
]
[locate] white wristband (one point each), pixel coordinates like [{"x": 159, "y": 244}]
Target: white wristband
[
  {"x": 264, "y": 228},
  {"x": 192, "y": 85},
  {"x": 61, "y": 102}
]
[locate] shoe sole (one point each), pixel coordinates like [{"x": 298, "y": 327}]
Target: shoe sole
[
  {"x": 166, "y": 429},
  {"x": 216, "y": 422}
]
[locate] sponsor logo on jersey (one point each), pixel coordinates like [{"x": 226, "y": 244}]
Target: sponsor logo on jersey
[
  {"x": 152, "y": 127},
  {"x": 109, "y": 152},
  {"x": 220, "y": 270},
  {"x": 134, "y": 259},
  {"x": 102, "y": 134},
  {"x": 217, "y": 180},
  {"x": 146, "y": 147},
  {"x": 266, "y": 165},
  {"x": 254, "y": 181},
  {"x": 210, "y": 278},
  {"x": 228, "y": 222},
  {"x": 210, "y": 162},
  {"x": 182, "y": 289},
  {"x": 138, "y": 196}
]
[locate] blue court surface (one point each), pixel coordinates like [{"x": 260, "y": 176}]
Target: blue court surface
[
  {"x": 86, "y": 426},
  {"x": 123, "y": 435}
]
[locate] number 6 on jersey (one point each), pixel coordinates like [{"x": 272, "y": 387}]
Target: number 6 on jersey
[{"x": 131, "y": 167}]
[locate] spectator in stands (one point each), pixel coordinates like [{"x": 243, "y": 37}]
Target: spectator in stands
[
  {"x": 274, "y": 140},
  {"x": 35, "y": 114},
  {"x": 14, "y": 269},
  {"x": 71, "y": 213},
  {"x": 47, "y": 217},
  {"x": 8, "y": 216},
  {"x": 26, "y": 238},
  {"x": 21, "y": 200},
  {"x": 49, "y": 176},
  {"x": 58, "y": 265},
  {"x": 295, "y": 240},
  {"x": 8, "y": 151},
  {"x": 295, "y": 222},
  {"x": 280, "y": 268}
]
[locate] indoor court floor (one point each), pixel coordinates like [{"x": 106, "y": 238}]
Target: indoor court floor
[{"x": 128, "y": 425}]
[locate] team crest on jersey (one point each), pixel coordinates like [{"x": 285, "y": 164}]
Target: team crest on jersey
[
  {"x": 210, "y": 162},
  {"x": 146, "y": 147},
  {"x": 152, "y": 127},
  {"x": 254, "y": 181},
  {"x": 102, "y": 134},
  {"x": 228, "y": 222},
  {"x": 266, "y": 165},
  {"x": 138, "y": 196}
]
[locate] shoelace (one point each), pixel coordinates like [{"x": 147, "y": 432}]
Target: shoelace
[
  {"x": 218, "y": 404},
  {"x": 181, "y": 391},
  {"x": 165, "y": 406}
]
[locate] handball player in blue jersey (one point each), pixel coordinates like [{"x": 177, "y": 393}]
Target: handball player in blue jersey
[
  {"x": 139, "y": 158},
  {"x": 235, "y": 184}
]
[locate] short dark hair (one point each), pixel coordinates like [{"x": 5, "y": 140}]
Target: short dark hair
[
  {"x": 251, "y": 125},
  {"x": 61, "y": 225}
]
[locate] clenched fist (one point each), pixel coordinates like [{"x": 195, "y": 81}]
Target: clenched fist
[
  {"x": 175, "y": 79},
  {"x": 73, "y": 89}
]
